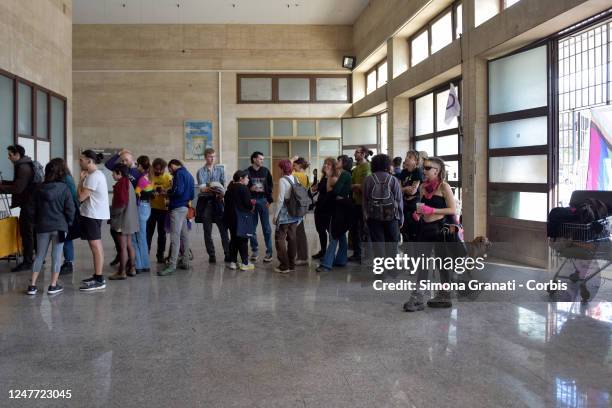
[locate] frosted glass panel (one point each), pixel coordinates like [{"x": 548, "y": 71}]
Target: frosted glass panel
[
  {"x": 384, "y": 145},
  {"x": 300, "y": 148},
  {"x": 330, "y": 128},
  {"x": 280, "y": 150},
  {"x": 6, "y": 125},
  {"x": 484, "y": 10},
  {"x": 518, "y": 82},
  {"x": 424, "y": 115},
  {"x": 518, "y": 204},
  {"x": 442, "y": 32},
  {"x": 426, "y": 145},
  {"x": 448, "y": 145},
  {"x": 441, "y": 101},
  {"x": 419, "y": 48},
  {"x": 371, "y": 82},
  {"x": 283, "y": 128},
  {"x": 359, "y": 131},
  {"x": 294, "y": 89},
  {"x": 253, "y": 128},
  {"x": 28, "y": 145},
  {"x": 329, "y": 148},
  {"x": 313, "y": 148},
  {"x": 306, "y": 128},
  {"x": 41, "y": 115},
  {"x": 24, "y": 126},
  {"x": 459, "y": 20},
  {"x": 517, "y": 133},
  {"x": 332, "y": 89},
  {"x": 382, "y": 74},
  {"x": 518, "y": 169},
  {"x": 247, "y": 147},
  {"x": 58, "y": 136},
  {"x": 43, "y": 152},
  {"x": 256, "y": 89},
  {"x": 508, "y": 3},
  {"x": 452, "y": 170}
]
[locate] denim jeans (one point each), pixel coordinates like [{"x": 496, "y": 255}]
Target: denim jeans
[
  {"x": 261, "y": 211},
  {"x": 68, "y": 251},
  {"x": 139, "y": 239},
  {"x": 332, "y": 258},
  {"x": 42, "y": 242},
  {"x": 179, "y": 234}
]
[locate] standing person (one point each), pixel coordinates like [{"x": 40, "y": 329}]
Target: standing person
[
  {"x": 360, "y": 172},
  {"x": 162, "y": 181},
  {"x": 397, "y": 166},
  {"x": 67, "y": 266},
  {"x": 144, "y": 193},
  {"x": 124, "y": 220},
  {"x": 54, "y": 211},
  {"x": 21, "y": 190},
  {"x": 286, "y": 225},
  {"x": 322, "y": 213},
  {"x": 437, "y": 201},
  {"x": 238, "y": 205},
  {"x": 411, "y": 178},
  {"x": 261, "y": 185},
  {"x": 210, "y": 204},
  {"x": 300, "y": 165},
  {"x": 340, "y": 202},
  {"x": 180, "y": 195},
  {"x": 93, "y": 195},
  {"x": 383, "y": 207}
]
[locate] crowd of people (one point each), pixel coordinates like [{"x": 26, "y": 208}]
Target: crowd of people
[{"x": 365, "y": 205}]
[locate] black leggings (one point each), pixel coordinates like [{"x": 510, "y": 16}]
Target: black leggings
[
  {"x": 430, "y": 239},
  {"x": 238, "y": 245},
  {"x": 157, "y": 219},
  {"x": 322, "y": 226}
]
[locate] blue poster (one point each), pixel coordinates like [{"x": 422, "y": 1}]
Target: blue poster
[{"x": 198, "y": 137}]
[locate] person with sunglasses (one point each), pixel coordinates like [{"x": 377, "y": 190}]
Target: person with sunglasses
[{"x": 437, "y": 202}]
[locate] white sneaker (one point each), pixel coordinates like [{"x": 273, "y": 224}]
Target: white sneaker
[
  {"x": 233, "y": 265},
  {"x": 268, "y": 258},
  {"x": 253, "y": 257},
  {"x": 300, "y": 262},
  {"x": 247, "y": 267},
  {"x": 279, "y": 270}
]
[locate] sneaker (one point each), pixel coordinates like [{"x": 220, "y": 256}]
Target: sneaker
[
  {"x": 268, "y": 258},
  {"x": 89, "y": 280},
  {"x": 22, "y": 267},
  {"x": 247, "y": 267},
  {"x": 184, "y": 266},
  {"x": 318, "y": 255},
  {"x": 415, "y": 303},
  {"x": 254, "y": 256},
  {"x": 32, "y": 290},
  {"x": 441, "y": 301},
  {"x": 52, "y": 290},
  {"x": 279, "y": 270},
  {"x": 233, "y": 265},
  {"x": 212, "y": 259},
  {"x": 168, "y": 270},
  {"x": 93, "y": 284},
  {"x": 322, "y": 268},
  {"x": 301, "y": 262},
  {"x": 66, "y": 268},
  {"x": 118, "y": 276}
]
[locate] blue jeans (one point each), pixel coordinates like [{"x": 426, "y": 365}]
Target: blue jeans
[
  {"x": 331, "y": 258},
  {"x": 139, "y": 239},
  {"x": 261, "y": 211},
  {"x": 43, "y": 239},
  {"x": 68, "y": 251}
]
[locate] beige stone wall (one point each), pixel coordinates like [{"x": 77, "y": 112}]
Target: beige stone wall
[{"x": 36, "y": 44}]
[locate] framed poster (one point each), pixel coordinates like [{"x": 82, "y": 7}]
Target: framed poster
[{"x": 198, "y": 137}]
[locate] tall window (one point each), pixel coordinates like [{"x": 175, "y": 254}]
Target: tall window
[
  {"x": 485, "y": 9},
  {"x": 584, "y": 83},
  {"x": 298, "y": 88},
  {"x": 376, "y": 77},
  {"x": 437, "y": 34},
  {"x": 431, "y": 134}
]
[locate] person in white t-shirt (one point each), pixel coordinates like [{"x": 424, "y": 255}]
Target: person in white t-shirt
[{"x": 93, "y": 196}]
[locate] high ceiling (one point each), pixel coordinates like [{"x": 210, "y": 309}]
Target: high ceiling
[{"x": 217, "y": 11}]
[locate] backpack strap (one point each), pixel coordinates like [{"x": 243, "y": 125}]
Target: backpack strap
[{"x": 289, "y": 180}]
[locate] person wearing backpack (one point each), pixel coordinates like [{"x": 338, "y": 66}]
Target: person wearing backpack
[
  {"x": 383, "y": 208},
  {"x": 300, "y": 165},
  {"x": 27, "y": 175},
  {"x": 287, "y": 215}
]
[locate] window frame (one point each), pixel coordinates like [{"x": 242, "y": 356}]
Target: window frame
[
  {"x": 34, "y": 136},
  {"x": 375, "y": 69},
  {"x": 452, "y": 8},
  {"x": 275, "y": 90}
]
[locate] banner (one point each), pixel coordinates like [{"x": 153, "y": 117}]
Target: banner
[{"x": 599, "y": 174}]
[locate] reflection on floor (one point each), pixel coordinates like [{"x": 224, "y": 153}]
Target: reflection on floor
[{"x": 217, "y": 337}]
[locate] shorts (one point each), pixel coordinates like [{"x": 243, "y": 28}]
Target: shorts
[{"x": 91, "y": 229}]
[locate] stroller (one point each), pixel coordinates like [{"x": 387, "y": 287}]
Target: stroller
[{"x": 589, "y": 242}]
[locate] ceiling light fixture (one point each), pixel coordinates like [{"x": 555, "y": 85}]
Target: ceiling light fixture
[{"x": 348, "y": 62}]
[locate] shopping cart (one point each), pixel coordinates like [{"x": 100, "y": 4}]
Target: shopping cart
[{"x": 584, "y": 242}]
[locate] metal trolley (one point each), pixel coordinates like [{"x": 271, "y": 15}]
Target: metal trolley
[{"x": 590, "y": 242}]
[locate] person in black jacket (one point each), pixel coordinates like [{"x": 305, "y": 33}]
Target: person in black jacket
[
  {"x": 261, "y": 185},
  {"x": 322, "y": 213},
  {"x": 54, "y": 212},
  {"x": 238, "y": 197}
]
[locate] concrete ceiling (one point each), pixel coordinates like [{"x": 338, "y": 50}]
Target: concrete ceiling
[{"x": 326, "y": 12}]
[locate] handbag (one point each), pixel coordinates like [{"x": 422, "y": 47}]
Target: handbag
[
  {"x": 74, "y": 230},
  {"x": 245, "y": 226}
]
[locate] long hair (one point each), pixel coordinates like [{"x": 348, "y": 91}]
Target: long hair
[
  {"x": 440, "y": 163},
  {"x": 55, "y": 171},
  {"x": 347, "y": 162},
  {"x": 332, "y": 162}
]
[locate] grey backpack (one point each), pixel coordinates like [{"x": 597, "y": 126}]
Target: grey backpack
[
  {"x": 382, "y": 205},
  {"x": 299, "y": 200},
  {"x": 38, "y": 172}
]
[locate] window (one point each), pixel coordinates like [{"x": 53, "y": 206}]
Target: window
[
  {"x": 431, "y": 134},
  {"x": 485, "y": 9},
  {"x": 437, "y": 34},
  {"x": 376, "y": 77},
  {"x": 33, "y": 117},
  {"x": 271, "y": 88}
]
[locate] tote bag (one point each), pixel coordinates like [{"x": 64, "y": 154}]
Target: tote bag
[{"x": 245, "y": 226}]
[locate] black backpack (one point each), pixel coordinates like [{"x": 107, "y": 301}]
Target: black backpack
[
  {"x": 591, "y": 210},
  {"x": 382, "y": 205},
  {"x": 299, "y": 200}
]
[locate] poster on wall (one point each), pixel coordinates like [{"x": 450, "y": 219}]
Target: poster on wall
[{"x": 198, "y": 137}]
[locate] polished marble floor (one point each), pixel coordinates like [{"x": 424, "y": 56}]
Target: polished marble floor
[{"x": 214, "y": 337}]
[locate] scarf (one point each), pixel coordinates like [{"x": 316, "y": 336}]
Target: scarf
[{"x": 429, "y": 188}]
